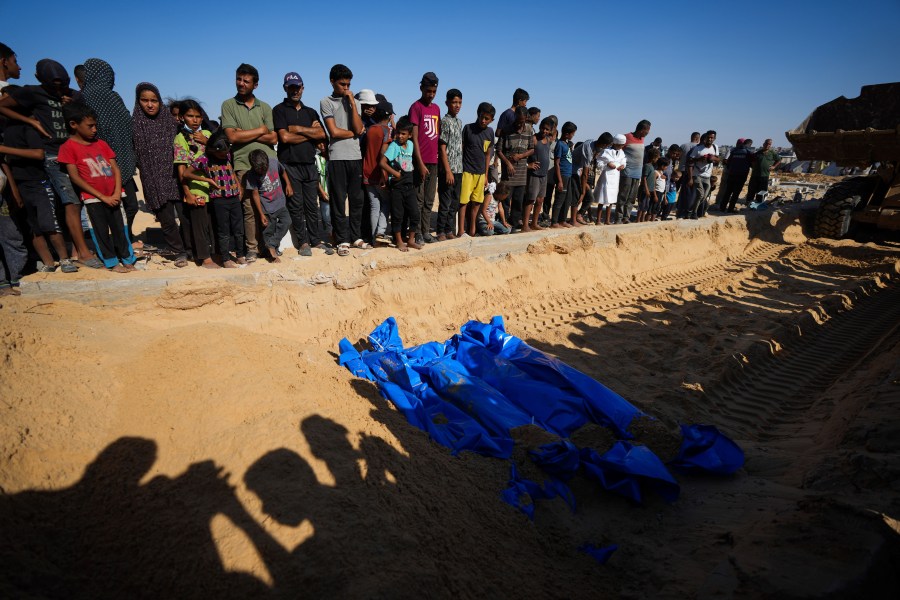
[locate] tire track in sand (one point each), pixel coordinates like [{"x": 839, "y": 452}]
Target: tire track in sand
[
  {"x": 558, "y": 311},
  {"x": 771, "y": 399}
]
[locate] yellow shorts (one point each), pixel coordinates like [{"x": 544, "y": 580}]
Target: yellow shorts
[{"x": 472, "y": 188}]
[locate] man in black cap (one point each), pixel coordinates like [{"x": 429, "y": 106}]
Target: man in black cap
[
  {"x": 299, "y": 129},
  {"x": 426, "y": 119}
]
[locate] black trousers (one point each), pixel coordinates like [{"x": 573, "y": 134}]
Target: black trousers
[
  {"x": 130, "y": 203},
  {"x": 345, "y": 186},
  {"x": 176, "y": 237},
  {"x": 560, "y": 208},
  {"x": 303, "y": 206},
  {"x": 425, "y": 190},
  {"x": 404, "y": 205},
  {"x": 200, "y": 232},
  {"x": 513, "y": 204},
  {"x": 229, "y": 215},
  {"x": 110, "y": 234},
  {"x": 732, "y": 191},
  {"x": 448, "y": 202}
]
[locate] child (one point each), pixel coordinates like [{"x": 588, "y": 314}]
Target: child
[
  {"x": 610, "y": 164},
  {"x": 648, "y": 186},
  {"x": 378, "y": 136},
  {"x": 563, "y": 169},
  {"x": 492, "y": 218},
  {"x": 477, "y": 141},
  {"x": 672, "y": 184},
  {"x": 551, "y": 174},
  {"x": 516, "y": 146},
  {"x": 265, "y": 178},
  {"x": 661, "y": 205},
  {"x": 537, "y": 175},
  {"x": 91, "y": 165},
  {"x": 214, "y": 167},
  {"x": 425, "y": 117},
  {"x": 397, "y": 163},
  {"x": 25, "y": 157},
  {"x": 189, "y": 145},
  {"x": 450, "y": 172}
]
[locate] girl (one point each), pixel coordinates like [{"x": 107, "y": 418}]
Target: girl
[
  {"x": 397, "y": 163},
  {"x": 190, "y": 144},
  {"x": 154, "y": 133},
  {"x": 214, "y": 168}
]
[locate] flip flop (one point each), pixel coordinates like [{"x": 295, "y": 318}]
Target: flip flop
[
  {"x": 93, "y": 263},
  {"x": 343, "y": 249}
]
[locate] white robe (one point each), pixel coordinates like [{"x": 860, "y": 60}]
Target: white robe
[{"x": 608, "y": 189}]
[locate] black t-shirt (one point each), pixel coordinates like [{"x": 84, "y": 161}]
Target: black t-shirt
[
  {"x": 283, "y": 116},
  {"x": 476, "y": 142},
  {"x": 47, "y": 109},
  {"x": 20, "y": 135}
]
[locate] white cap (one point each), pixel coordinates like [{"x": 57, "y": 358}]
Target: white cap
[
  {"x": 619, "y": 139},
  {"x": 366, "y": 97}
]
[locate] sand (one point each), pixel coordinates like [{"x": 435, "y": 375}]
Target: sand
[{"x": 190, "y": 434}]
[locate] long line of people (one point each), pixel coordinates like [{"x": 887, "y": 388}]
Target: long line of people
[{"x": 351, "y": 175}]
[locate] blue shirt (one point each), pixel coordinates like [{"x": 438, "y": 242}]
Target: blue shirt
[
  {"x": 563, "y": 154},
  {"x": 400, "y": 157}
]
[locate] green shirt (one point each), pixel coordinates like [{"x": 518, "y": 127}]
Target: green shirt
[
  {"x": 184, "y": 156},
  {"x": 764, "y": 161},
  {"x": 237, "y": 115}
]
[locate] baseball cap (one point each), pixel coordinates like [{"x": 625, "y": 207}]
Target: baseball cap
[
  {"x": 386, "y": 106},
  {"x": 429, "y": 78},
  {"x": 293, "y": 79}
]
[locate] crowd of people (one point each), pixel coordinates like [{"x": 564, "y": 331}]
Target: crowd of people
[{"x": 352, "y": 175}]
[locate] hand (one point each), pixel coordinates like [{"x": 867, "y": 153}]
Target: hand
[
  {"x": 212, "y": 182},
  {"x": 511, "y": 170},
  {"x": 263, "y": 129},
  {"x": 348, "y": 93},
  {"x": 490, "y": 225},
  {"x": 621, "y": 167},
  {"x": 40, "y": 128},
  {"x": 450, "y": 179},
  {"x": 109, "y": 200},
  {"x": 289, "y": 191},
  {"x": 534, "y": 166},
  {"x": 423, "y": 171},
  {"x": 199, "y": 138},
  {"x": 690, "y": 182},
  {"x": 559, "y": 187},
  {"x": 190, "y": 199},
  {"x": 264, "y": 219}
]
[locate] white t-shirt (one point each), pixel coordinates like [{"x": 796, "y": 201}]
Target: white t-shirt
[{"x": 702, "y": 166}]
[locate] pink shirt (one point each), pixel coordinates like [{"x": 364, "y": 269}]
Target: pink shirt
[{"x": 428, "y": 119}]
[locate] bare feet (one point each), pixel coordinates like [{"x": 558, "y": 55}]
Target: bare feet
[
  {"x": 402, "y": 247},
  {"x": 230, "y": 264},
  {"x": 526, "y": 228},
  {"x": 119, "y": 269},
  {"x": 566, "y": 224},
  {"x": 209, "y": 264},
  {"x": 241, "y": 260},
  {"x": 415, "y": 246},
  {"x": 131, "y": 267},
  {"x": 556, "y": 226}
]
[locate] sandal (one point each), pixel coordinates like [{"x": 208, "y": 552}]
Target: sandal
[
  {"x": 93, "y": 262},
  {"x": 361, "y": 245},
  {"x": 343, "y": 249},
  {"x": 66, "y": 266},
  {"x": 181, "y": 262}
]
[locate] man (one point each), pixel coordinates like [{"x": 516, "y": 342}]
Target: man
[
  {"x": 9, "y": 66},
  {"x": 701, "y": 161},
  {"x": 508, "y": 116},
  {"x": 630, "y": 181},
  {"x": 739, "y": 163},
  {"x": 686, "y": 149},
  {"x": 657, "y": 143},
  {"x": 425, "y": 116},
  {"x": 763, "y": 161},
  {"x": 299, "y": 129},
  {"x": 248, "y": 125},
  {"x": 343, "y": 120}
]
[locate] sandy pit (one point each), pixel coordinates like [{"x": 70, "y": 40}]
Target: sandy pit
[{"x": 189, "y": 433}]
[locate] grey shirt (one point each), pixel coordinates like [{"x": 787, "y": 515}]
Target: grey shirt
[{"x": 339, "y": 110}]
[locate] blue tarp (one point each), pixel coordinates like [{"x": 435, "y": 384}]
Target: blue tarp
[{"x": 470, "y": 391}]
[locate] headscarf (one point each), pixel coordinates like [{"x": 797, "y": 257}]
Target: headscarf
[
  {"x": 113, "y": 119},
  {"x": 153, "y": 138}
]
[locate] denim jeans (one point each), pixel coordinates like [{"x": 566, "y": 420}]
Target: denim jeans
[{"x": 379, "y": 211}]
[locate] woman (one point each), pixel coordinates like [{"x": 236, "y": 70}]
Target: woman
[{"x": 154, "y": 133}]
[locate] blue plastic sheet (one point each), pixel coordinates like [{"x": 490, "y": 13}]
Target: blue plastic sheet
[
  {"x": 600, "y": 553},
  {"x": 470, "y": 391}
]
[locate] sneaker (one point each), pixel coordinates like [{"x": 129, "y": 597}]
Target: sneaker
[
  {"x": 47, "y": 269},
  {"x": 429, "y": 239},
  {"x": 305, "y": 251},
  {"x": 420, "y": 239},
  {"x": 252, "y": 257},
  {"x": 66, "y": 266}
]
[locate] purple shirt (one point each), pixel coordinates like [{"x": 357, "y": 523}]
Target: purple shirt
[{"x": 428, "y": 119}]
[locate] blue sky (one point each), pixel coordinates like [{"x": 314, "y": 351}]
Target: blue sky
[{"x": 750, "y": 69}]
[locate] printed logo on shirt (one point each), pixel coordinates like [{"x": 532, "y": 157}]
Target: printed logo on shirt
[
  {"x": 98, "y": 166},
  {"x": 430, "y": 125},
  {"x": 267, "y": 185}
]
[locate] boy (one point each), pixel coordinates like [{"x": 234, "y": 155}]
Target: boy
[
  {"x": 25, "y": 155},
  {"x": 551, "y": 174},
  {"x": 9, "y": 66},
  {"x": 648, "y": 186},
  {"x": 508, "y": 116},
  {"x": 398, "y": 163},
  {"x": 492, "y": 219},
  {"x": 44, "y": 103},
  {"x": 343, "y": 120},
  {"x": 661, "y": 209},
  {"x": 265, "y": 179},
  {"x": 610, "y": 164},
  {"x": 477, "y": 141},
  {"x": 673, "y": 182},
  {"x": 450, "y": 177},
  {"x": 91, "y": 165},
  {"x": 515, "y": 147},
  {"x": 534, "y": 117},
  {"x": 425, "y": 117},
  {"x": 563, "y": 169},
  {"x": 537, "y": 175},
  {"x": 579, "y": 198},
  {"x": 248, "y": 123}
]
